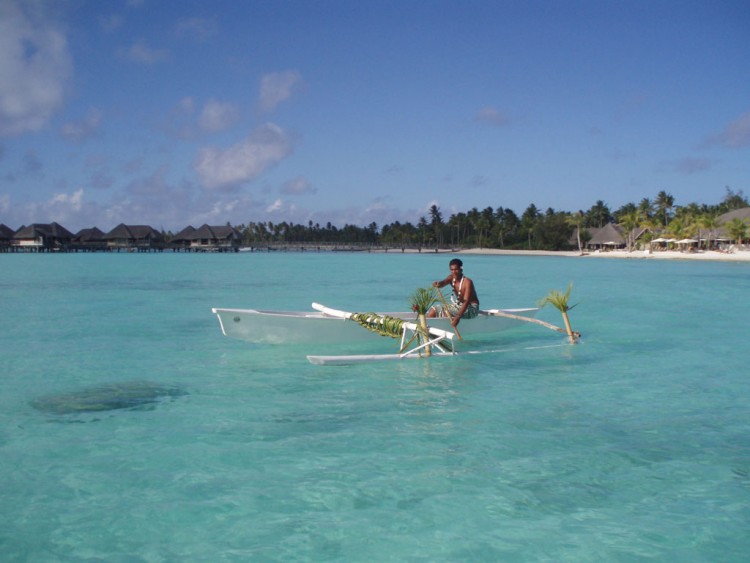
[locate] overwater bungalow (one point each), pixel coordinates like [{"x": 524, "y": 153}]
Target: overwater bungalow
[
  {"x": 6, "y": 237},
  {"x": 42, "y": 237},
  {"x": 182, "y": 240},
  {"x": 89, "y": 240},
  {"x": 141, "y": 238},
  {"x": 208, "y": 239}
]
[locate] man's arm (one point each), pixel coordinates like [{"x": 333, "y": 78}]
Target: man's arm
[{"x": 442, "y": 283}]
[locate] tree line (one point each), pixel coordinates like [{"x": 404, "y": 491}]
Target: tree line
[{"x": 502, "y": 228}]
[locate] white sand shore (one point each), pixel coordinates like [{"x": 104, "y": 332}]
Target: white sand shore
[{"x": 736, "y": 256}]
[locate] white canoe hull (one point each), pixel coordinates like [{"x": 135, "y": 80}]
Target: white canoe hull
[{"x": 315, "y": 327}]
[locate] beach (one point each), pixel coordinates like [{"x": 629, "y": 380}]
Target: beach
[
  {"x": 701, "y": 255},
  {"x": 735, "y": 256}
]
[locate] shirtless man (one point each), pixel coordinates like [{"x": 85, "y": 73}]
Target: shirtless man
[{"x": 465, "y": 303}]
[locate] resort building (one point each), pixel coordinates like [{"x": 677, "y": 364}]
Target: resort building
[
  {"x": 207, "y": 239},
  {"x": 43, "y": 237},
  {"x": 6, "y": 237},
  {"x": 141, "y": 238}
]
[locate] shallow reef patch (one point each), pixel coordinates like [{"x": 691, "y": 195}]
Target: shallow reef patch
[{"x": 130, "y": 395}]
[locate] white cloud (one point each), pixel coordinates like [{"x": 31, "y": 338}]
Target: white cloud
[
  {"x": 35, "y": 66},
  {"x": 68, "y": 202},
  {"x": 78, "y": 131},
  {"x": 184, "y": 121},
  {"x": 63, "y": 208},
  {"x": 735, "y": 135},
  {"x": 275, "y": 206},
  {"x": 277, "y": 87},
  {"x": 217, "y": 116},
  {"x": 245, "y": 161}
]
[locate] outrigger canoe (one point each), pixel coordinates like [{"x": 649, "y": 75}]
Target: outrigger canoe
[{"x": 323, "y": 325}]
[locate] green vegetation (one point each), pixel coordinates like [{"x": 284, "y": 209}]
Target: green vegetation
[
  {"x": 384, "y": 325},
  {"x": 559, "y": 301},
  {"x": 502, "y": 228},
  {"x": 421, "y": 301}
]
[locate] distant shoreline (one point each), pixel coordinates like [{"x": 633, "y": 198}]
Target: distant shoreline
[
  {"x": 736, "y": 255},
  {"x": 705, "y": 255},
  {"x": 711, "y": 255}
]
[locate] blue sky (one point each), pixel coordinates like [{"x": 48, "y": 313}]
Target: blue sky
[{"x": 172, "y": 113}]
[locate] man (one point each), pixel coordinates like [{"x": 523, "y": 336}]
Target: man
[{"x": 464, "y": 301}]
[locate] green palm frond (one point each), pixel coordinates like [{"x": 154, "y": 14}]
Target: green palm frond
[
  {"x": 383, "y": 325},
  {"x": 422, "y": 299},
  {"x": 558, "y": 299}
]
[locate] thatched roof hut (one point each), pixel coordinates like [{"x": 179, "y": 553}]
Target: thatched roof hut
[
  {"x": 609, "y": 236},
  {"x": 43, "y": 236}
]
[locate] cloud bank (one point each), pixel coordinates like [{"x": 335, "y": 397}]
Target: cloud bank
[
  {"x": 277, "y": 87},
  {"x": 35, "y": 66},
  {"x": 241, "y": 163}
]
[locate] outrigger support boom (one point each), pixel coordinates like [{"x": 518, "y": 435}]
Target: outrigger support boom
[{"x": 440, "y": 341}]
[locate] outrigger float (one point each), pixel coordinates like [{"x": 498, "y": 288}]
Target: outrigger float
[{"x": 324, "y": 325}]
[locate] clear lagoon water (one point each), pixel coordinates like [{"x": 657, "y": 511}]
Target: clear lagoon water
[{"x": 632, "y": 446}]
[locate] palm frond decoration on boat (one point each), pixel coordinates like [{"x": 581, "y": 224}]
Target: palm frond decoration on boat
[
  {"x": 384, "y": 325},
  {"x": 421, "y": 301},
  {"x": 393, "y": 327},
  {"x": 559, "y": 301}
]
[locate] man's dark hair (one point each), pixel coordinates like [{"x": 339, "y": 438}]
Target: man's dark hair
[{"x": 456, "y": 262}]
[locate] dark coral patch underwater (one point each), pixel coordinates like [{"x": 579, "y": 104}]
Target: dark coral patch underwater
[{"x": 130, "y": 395}]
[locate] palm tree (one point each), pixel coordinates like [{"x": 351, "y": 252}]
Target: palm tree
[
  {"x": 436, "y": 222},
  {"x": 737, "y": 229},
  {"x": 508, "y": 223},
  {"x": 646, "y": 208},
  {"x": 460, "y": 222},
  {"x": 529, "y": 219},
  {"x": 598, "y": 215},
  {"x": 575, "y": 220},
  {"x": 681, "y": 228},
  {"x": 733, "y": 200},
  {"x": 630, "y": 222},
  {"x": 485, "y": 222},
  {"x": 710, "y": 222},
  {"x": 664, "y": 205},
  {"x": 651, "y": 226},
  {"x": 473, "y": 218},
  {"x": 422, "y": 228}
]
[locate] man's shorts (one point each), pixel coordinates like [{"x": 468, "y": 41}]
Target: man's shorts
[{"x": 471, "y": 311}]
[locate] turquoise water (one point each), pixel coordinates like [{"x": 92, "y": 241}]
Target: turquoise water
[{"x": 634, "y": 445}]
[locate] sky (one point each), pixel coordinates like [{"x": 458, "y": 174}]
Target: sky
[{"x": 174, "y": 113}]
